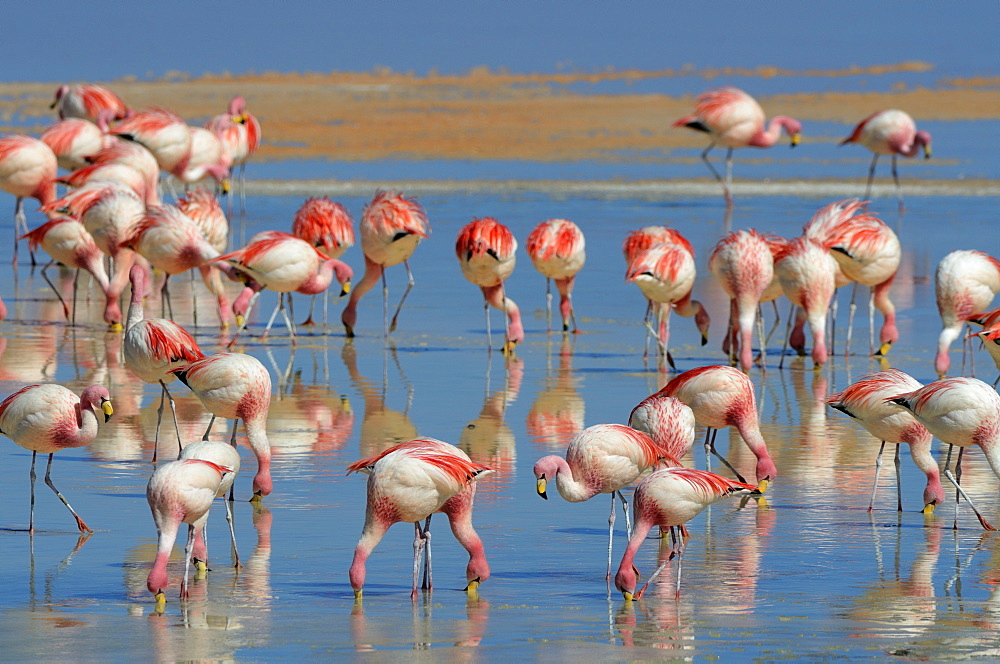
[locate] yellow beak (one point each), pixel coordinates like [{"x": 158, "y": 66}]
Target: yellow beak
[
  {"x": 762, "y": 485},
  {"x": 540, "y": 487},
  {"x": 107, "y": 408},
  {"x": 628, "y": 596},
  {"x": 795, "y": 139},
  {"x": 928, "y": 508}
]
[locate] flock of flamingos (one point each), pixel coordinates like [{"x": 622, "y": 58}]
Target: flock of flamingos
[{"x": 114, "y": 158}]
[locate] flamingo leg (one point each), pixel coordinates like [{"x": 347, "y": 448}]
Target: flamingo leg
[
  {"x": 428, "y": 582},
  {"x": 611, "y": 535},
  {"x": 871, "y": 177},
  {"x": 185, "y": 593},
  {"x": 548, "y": 304},
  {"x": 850, "y": 322},
  {"x": 52, "y": 286},
  {"x": 76, "y": 278},
  {"x": 48, "y": 480},
  {"x": 763, "y": 341},
  {"x": 289, "y": 317},
  {"x": 489, "y": 334},
  {"x": 274, "y": 314},
  {"x": 409, "y": 287},
  {"x": 173, "y": 413},
  {"x": 728, "y": 186},
  {"x": 209, "y": 429},
  {"x": 711, "y": 448},
  {"x": 232, "y": 532},
  {"x": 899, "y": 190},
  {"x": 961, "y": 492},
  {"x": 899, "y": 485},
  {"x": 878, "y": 470},
  {"x": 418, "y": 548},
  {"x": 871, "y": 321},
  {"x": 32, "y": 476},
  {"x": 777, "y": 319},
  {"x": 704, "y": 158},
  {"x": 788, "y": 329}
]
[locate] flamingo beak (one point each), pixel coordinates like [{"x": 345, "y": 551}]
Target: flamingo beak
[
  {"x": 628, "y": 596},
  {"x": 160, "y": 598},
  {"x": 762, "y": 485},
  {"x": 226, "y": 186},
  {"x": 796, "y": 139},
  {"x": 883, "y": 349},
  {"x": 345, "y": 405},
  {"x": 116, "y": 328},
  {"x": 540, "y": 487},
  {"x": 107, "y": 409},
  {"x": 240, "y": 320},
  {"x": 357, "y": 594},
  {"x": 473, "y": 587},
  {"x": 256, "y": 497},
  {"x": 928, "y": 508},
  {"x": 508, "y": 348},
  {"x": 345, "y": 289},
  {"x": 927, "y": 152}
]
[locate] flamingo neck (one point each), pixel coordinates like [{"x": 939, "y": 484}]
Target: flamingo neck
[
  {"x": 320, "y": 281},
  {"x": 257, "y": 439},
  {"x": 157, "y": 579},
  {"x": 626, "y": 579},
  {"x": 765, "y": 138},
  {"x": 370, "y": 537},
  {"x": 458, "y": 508},
  {"x": 135, "y": 308},
  {"x": 571, "y": 489}
]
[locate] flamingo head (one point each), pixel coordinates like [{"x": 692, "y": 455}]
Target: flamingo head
[
  {"x": 923, "y": 138},
  {"x": 626, "y": 580},
  {"x": 794, "y": 130},
  {"x": 702, "y": 321},
  {"x": 545, "y": 469},
  {"x": 62, "y": 90}
]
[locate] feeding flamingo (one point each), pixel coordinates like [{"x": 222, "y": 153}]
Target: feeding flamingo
[
  {"x": 557, "y": 250},
  {"x": 28, "y": 169},
  {"x": 409, "y": 482},
  {"x": 964, "y": 283},
  {"x": 49, "y": 418},
  {"x": 487, "y": 253},
  {"x": 236, "y": 387},
  {"x": 865, "y": 401},
  {"x": 734, "y": 119},
  {"x": 239, "y": 132},
  {"x": 722, "y": 396},
  {"x": 959, "y": 411},
  {"x": 807, "y": 274},
  {"x": 604, "y": 458},
  {"x": 87, "y": 101},
  {"x": 890, "y": 131},
  {"x": 225, "y": 456},
  {"x": 179, "y": 492},
  {"x": 131, "y": 154},
  {"x": 669, "y": 498},
  {"x": 329, "y": 227},
  {"x": 391, "y": 228},
  {"x": 152, "y": 347}
]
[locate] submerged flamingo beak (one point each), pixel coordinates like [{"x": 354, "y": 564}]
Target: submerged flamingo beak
[
  {"x": 256, "y": 497},
  {"x": 928, "y": 508},
  {"x": 473, "y": 587},
  {"x": 628, "y": 596},
  {"x": 762, "y": 485},
  {"x": 357, "y": 594},
  {"x": 160, "y": 598}
]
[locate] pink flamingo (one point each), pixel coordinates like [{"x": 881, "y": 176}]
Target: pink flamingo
[
  {"x": 285, "y": 264},
  {"x": 152, "y": 347},
  {"x": 807, "y": 274},
  {"x": 890, "y": 131},
  {"x": 133, "y": 155},
  {"x": 665, "y": 274},
  {"x": 557, "y": 250},
  {"x": 990, "y": 337},
  {"x": 87, "y": 101},
  {"x": 239, "y": 132},
  {"x": 720, "y": 397},
  {"x": 391, "y": 228},
  {"x": 409, "y": 482},
  {"x": 236, "y": 387},
  {"x": 67, "y": 241},
  {"x": 163, "y": 133},
  {"x": 329, "y": 227},
  {"x": 486, "y": 251},
  {"x": 734, "y": 119},
  {"x": 202, "y": 207},
  {"x": 744, "y": 265},
  {"x": 49, "y": 418},
  {"x": 964, "y": 283},
  {"x": 604, "y": 458},
  {"x": 959, "y": 411},
  {"x": 865, "y": 401},
  {"x": 73, "y": 140},
  {"x": 208, "y": 159},
  {"x": 868, "y": 253},
  {"x": 28, "y": 169},
  {"x": 669, "y": 498},
  {"x": 226, "y": 456},
  {"x": 668, "y": 421},
  {"x": 179, "y": 492},
  {"x": 173, "y": 243}
]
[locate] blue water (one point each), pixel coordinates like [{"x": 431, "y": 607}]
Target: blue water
[{"x": 806, "y": 573}]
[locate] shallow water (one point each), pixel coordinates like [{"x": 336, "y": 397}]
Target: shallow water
[{"x": 804, "y": 573}]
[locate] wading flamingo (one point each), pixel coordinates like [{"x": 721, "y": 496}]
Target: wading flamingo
[
  {"x": 807, "y": 274},
  {"x": 28, "y": 169},
  {"x": 49, "y": 418},
  {"x": 669, "y": 498},
  {"x": 226, "y": 456},
  {"x": 239, "y": 132},
  {"x": 153, "y": 347},
  {"x": 409, "y": 482},
  {"x": 179, "y": 492},
  {"x": 865, "y": 401},
  {"x": 604, "y": 458},
  {"x": 391, "y": 228},
  {"x": 959, "y": 411},
  {"x": 557, "y": 250},
  {"x": 235, "y": 387},
  {"x": 163, "y": 133},
  {"x": 964, "y": 283},
  {"x": 487, "y": 253},
  {"x": 890, "y": 131},
  {"x": 720, "y": 397},
  {"x": 73, "y": 140},
  {"x": 87, "y": 101},
  {"x": 329, "y": 227},
  {"x": 734, "y": 119}
]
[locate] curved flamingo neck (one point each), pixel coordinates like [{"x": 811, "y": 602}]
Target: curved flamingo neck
[
  {"x": 626, "y": 579},
  {"x": 371, "y": 535},
  {"x": 135, "y": 308},
  {"x": 257, "y": 439},
  {"x": 571, "y": 489},
  {"x": 768, "y": 137},
  {"x": 320, "y": 281},
  {"x": 157, "y": 579}
]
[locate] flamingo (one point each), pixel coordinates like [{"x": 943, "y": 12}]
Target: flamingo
[
  {"x": 49, "y": 418},
  {"x": 734, "y": 119},
  {"x": 743, "y": 263},
  {"x": 329, "y": 227},
  {"x": 179, "y": 492},
  {"x": 668, "y": 421},
  {"x": 409, "y": 482},
  {"x": 28, "y": 169},
  {"x": 225, "y": 456},
  {"x": 87, "y": 101},
  {"x": 67, "y": 241},
  {"x": 391, "y": 228},
  {"x": 202, "y": 207},
  {"x": 163, "y": 133},
  {"x": 152, "y": 347},
  {"x": 73, "y": 140},
  {"x": 138, "y": 158},
  {"x": 239, "y": 132},
  {"x": 208, "y": 158},
  {"x": 865, "y": 401},
  {"x": 959, "y": 411},
  {"x": 604, "y": 458},
  {"x": 557, "y": 250},
  {"x": 890, "y": 131},
  {"x": 669, "y": 498},
  {"x": 722, "y": 396},
  {"x": 236, "y": 387},
  {"x": 868, "y": 253},
  {"x": 173, "y": 243},
  {"x": 665, "y": 274},
  {"x": 283, "y": 263},
  {"x": 991, "y": 340},
  {"x": 964, "y": 283},
  {"x": 807, "y": 274},
  {"x": 486, "y": 251}
]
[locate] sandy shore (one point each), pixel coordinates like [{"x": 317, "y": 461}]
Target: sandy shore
[{"x": 493, "y": 115}]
